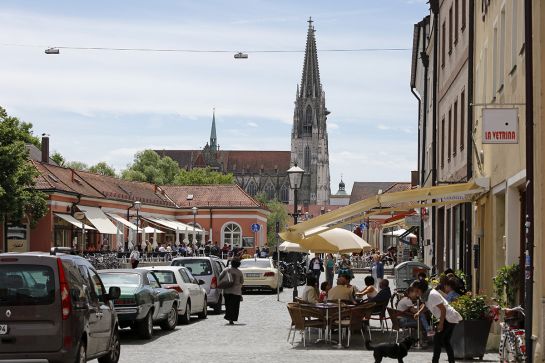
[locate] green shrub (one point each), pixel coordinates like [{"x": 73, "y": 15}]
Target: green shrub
[{"x": 472, "y": 307}]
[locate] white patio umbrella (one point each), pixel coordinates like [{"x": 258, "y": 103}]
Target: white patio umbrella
[
  {"x": 143, "y": 237},
  {"x": 186, "y": 238},
  {"x": 287, "y": 246},
  {"x": 399, "y": 232},
  {"x": 335, "y": 240},
  {"x": 177, "y": 237}
]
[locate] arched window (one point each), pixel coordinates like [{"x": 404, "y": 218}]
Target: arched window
[
  {"x": 232, "y": 234},
  {"x": 307, "y": 159},
  {"x": 251, "y": 188},
  {"x": 269, "y": 191},
  {"x": 307, "y": 125},
  {"x": 284, "y": 194}
]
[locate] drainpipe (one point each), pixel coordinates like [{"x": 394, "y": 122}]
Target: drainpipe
[
  {"x": 529, "y": 255},
  {"x": 469, "y": 145},
  {"x": 435, "y": 10},
  {"x": 426, "y": 64}
]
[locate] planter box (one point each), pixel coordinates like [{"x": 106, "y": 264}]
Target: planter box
[{"x": 469, "y": 338}]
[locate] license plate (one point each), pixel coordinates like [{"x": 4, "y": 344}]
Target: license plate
[
  {"x": 253, "y": 275},
  {"x": 3, "y": 329}
]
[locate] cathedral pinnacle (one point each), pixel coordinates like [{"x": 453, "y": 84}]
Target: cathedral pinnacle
[{"x": 213, "y": 138}]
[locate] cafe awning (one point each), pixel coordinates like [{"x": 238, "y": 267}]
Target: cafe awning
[
  {"x": 444, "y": 194},
  {"x": 98, "y": 219},
  {"x": 172, "y": 224},
  {"x": 122, "y": 221},
  {"x": 72, "y": 220}
]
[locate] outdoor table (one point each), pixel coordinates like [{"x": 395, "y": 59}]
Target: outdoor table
[{"x": 327, "y": 306}]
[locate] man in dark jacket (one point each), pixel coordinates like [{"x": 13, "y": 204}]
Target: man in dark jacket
[
  {"x": 384, "y": 294},
  {"x": 316, "y": 266}
]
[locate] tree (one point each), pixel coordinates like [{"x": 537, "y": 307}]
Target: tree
[
  {"x": 149, "y": 167},
  {"x": 58, "y": 158},
  {"x": 202, "y": 176},
  {"x": 18, "y": 197},
  {"x": 278, "y": 213},
  {"x": 102, "y": 168},
  {"x": 76, "y": 165}
]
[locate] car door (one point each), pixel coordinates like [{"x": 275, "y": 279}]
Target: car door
[
  {"x": 105, "y": 312},
  {"x": 196, "y": 293},
  {"x": 153, "y": 285}
]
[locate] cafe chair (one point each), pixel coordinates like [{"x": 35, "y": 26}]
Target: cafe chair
[
  {"x": 400, "y": 325},
  {"x": 302, "y": 324},
  {"x": 354, "y": 320}
]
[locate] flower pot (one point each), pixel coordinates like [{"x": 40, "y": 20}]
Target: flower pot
[{"x": 469, "y": 338}]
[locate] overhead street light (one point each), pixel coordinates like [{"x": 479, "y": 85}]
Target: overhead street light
[
  {"x": 52, "y": 51},
  {"x": 295, "y": 176},
  {"x": 241, "y": 55}
]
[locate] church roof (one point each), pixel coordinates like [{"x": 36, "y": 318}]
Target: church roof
[
  {"x": 310, "y": 82},
  {"x": 364, "y": 190},
  {"x": 223, "y": 195}
]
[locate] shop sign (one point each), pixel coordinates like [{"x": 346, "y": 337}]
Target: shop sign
[
  {"x": 500, "y": 126},
  {"x": 17, "y": 238},
  {"x": 413, "y": 221}
]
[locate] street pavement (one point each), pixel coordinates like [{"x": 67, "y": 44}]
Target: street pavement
[{"x": 260, "y": 335}]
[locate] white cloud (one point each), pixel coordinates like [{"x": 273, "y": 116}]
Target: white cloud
[{"x": 252, "y": 124}]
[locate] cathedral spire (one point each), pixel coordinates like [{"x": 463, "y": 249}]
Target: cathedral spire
[
  {"x": 310, "y": 83},
  {"x": 213, "y": 138}
]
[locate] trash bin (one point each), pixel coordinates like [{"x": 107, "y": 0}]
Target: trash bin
[{"x": 406, "y": 272}]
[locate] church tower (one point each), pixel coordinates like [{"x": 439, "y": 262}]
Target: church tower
[{"x": 309, "y": 146}]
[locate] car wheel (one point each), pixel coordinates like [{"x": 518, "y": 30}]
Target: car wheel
[
  {"x": 115, "y": 350},
  {"x": 217, "y": 307},
  {"x": 81, "y": 356},
  {"x": 204, "y": 313},
  {"x": 145, "y": 327},
  {"x": 172, "y": 319},
  {"x": 186, "y": 318}
]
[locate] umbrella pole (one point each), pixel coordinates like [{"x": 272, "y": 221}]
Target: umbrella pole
[{"x": 339, "y": 344}]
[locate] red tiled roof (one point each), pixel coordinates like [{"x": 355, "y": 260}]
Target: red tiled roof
[
  {"x": 398, "y": 187},
  {"x": 364, "y": 190},
  {"x": 64, "y": 179},
  {"x": 224, "y": 195}
]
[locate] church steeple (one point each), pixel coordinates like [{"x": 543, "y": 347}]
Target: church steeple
[
  {"x": 310, "y": 83},
  {"x": 213, "y": 138}
]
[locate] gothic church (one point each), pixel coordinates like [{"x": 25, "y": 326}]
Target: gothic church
[{"x": 265, "y": 171}]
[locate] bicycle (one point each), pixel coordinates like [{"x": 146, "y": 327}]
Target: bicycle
[
  {"x": 399, "y": 293},
  {"x": 512, "y": 337}
]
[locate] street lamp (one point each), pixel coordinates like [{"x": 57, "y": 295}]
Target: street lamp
[
  {"x": 194, "y": 210},
  {"x": 137, "y": 206},
  {"x": 295, "y": 175}
]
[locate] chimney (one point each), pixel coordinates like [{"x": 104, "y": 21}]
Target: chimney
[
  {"x": 414, "y": 178},
  {"x": 45, "y": 148}
]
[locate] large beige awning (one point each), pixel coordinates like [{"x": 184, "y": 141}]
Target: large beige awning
[
  {"x": 443, "y": 194},
  {"x": 122, "y": 221},
  {"x": 73, "y": 221},
  {"x": 98, "y": 219},
  {"x": 172, "y": 224}
]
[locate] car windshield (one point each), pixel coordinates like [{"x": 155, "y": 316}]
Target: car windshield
[
  {"x": 26, "y": 285},
  {"x": 165, "y": 277},
  {"x": 120, "y": 279},
  {"x": 249, "y": 263},
  {"x": 197, "y": 267}
]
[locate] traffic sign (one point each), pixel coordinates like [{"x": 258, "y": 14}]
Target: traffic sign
[
  {"x": 256, "y": 227},
  {"x": 363, "y": 226}
]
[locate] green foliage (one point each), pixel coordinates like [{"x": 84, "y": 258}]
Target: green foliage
[
  {"x": 58, "y": 158},
  {"x": 76, "y": 165},
  {"x": 149, "y": 167},
  {"x": 102, "y": 168},
  {"x": 278, "y": 213},
  {"x": 202, "y": 176},
  {"x": 506, "y": 285},
  {"x": 472, "y": 307},
  {"x": 18, "y": 198}
]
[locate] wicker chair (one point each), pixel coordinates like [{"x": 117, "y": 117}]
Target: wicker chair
[
  {"x": 398, "y": 325},
  {"x": 301, "y": 323},
  {"x": 354, "y": 321}
]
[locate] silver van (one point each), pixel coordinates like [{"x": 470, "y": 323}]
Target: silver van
[{"x": 207, "y": 269}]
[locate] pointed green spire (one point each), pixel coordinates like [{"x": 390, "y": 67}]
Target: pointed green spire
[{"x": 213, "y": 138}]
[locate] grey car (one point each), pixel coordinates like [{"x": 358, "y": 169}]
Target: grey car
[
  {"x": 207, "y": 269},
  {"x": 54, "y": 307}
]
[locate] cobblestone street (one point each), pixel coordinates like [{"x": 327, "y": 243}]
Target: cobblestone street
[{"x": 260, "y": 336}]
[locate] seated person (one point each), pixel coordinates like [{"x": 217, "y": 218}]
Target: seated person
[
  {"x": 384, "y": 293},
  {"x": 310, "y": 295},
  {"x": 323, "y": 294},
  {"x": 460, "y": 285},
  {"x": 449, "y": 288},
  {"x": 343, "y": 291},
  {"x": 370, "y": 290},
  {"x": 407, "y": 306}
]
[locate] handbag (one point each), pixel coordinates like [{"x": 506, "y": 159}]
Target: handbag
[{"x": 226, "y": 280}]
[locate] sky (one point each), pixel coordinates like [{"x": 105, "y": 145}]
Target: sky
[{"x": 107, "y": 105}]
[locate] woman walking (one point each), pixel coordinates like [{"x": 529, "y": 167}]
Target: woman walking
[
  {"x": 329, "y": 269},
  {"x": 233, "y": 294}
]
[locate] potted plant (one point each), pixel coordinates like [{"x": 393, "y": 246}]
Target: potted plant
[{"x": 471, "y": 334}]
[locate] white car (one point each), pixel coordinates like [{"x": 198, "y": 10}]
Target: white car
[
  {"x": 260, "y": 273},
  {"x": 190, "y": 292}
]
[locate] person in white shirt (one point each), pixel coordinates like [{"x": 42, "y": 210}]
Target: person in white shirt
[
  {"x": 310, "y": 293},
  {"x": 448, "y": 318},
  {"x": 407, "y": 305},
  {"x": 162, "y": 249}
]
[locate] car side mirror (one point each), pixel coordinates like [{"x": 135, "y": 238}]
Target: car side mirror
[
  {"x": 201, "y": 282},
  {"x": 114, "y": 293}
]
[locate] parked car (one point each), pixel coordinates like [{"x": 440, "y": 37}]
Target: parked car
[
  {"x": 143, "y": 302},
  {"x": 54, "y": 307},
  {"x": 260, "y": 273},
  {"x": 192, "y": 296},
  {"x": 208, "y": 269}
]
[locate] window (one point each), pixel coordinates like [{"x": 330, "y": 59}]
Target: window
[
  {"x": 307, "y": 159},
  {"x": 456, "y": 5},
  {"x": 269, "y": 191},
  {"x": 450, "y": 30},
  {"x": 251, "y": 188},
  {"x": 495, "y": 62},
  {"x": 514, "y": 36},
  {"x": 97, "y": 290},
  {"x": 307, "y": 126},
  {"x": 443, "y": 44},
  {"x": 443, "y": 142},
  {"x": 232, "y": 234},
  {"x": 455, "y": 129},
  {"x": 462, "y": 119},
  {"x": 449, "y": 144},
  {"x": 197, "y": 266},
  {"x": 153, "y": 282},
  {"x": 185, "y": 278},
  {"x": 501, "y": 53},
  {"x": 284, "y": 194},
  {"x": 22, "y": 285},
  {"x": 464, "y": 14}
]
